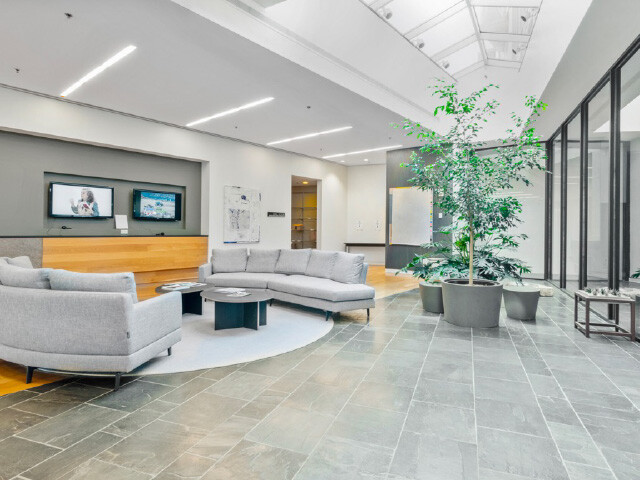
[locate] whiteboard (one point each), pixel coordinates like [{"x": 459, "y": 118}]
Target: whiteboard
[{"x": 411, "y": 216}]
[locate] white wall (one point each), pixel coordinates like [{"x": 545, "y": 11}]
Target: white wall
[
  {"x": 366, "y": 209},
  {"x": 225, "y": 162}
]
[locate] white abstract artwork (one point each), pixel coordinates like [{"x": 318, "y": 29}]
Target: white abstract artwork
[
  {"x": 241, "y": 215},
  {"x": 411, "y": 216}
]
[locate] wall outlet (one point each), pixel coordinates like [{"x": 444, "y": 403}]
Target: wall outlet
[{"x": 378, "y": 225}]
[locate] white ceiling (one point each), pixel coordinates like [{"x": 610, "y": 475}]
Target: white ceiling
[
  {"x": 195, "y": 58},
  {"x": 185, "y": 68}
]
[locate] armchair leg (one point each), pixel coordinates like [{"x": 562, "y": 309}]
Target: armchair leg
[
  {"x": 169, "y": 352},
  {"x": 117, "y": 382},
  {"x": 367, "y": 316},
  {"x": 30, "y": 371}
]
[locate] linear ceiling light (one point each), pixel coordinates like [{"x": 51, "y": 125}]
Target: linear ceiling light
[
  {"x": 362, "y": 151},
  {"x": 98, "y": 70},
  {"x": 229, "y": 112},
  {"x": 309, "y": 135}
]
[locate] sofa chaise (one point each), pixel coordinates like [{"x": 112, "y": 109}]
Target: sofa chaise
[
  {"x": 329, "y": 281},
  {"x": 89, "y": 323}
]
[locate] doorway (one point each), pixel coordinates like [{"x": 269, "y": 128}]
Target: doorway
[{"x": 304, "y": 212}]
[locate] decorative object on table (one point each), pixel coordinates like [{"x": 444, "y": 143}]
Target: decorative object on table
[
  {"x": 241, "y": 215},
  {"x": 236, "y": 311},
  {"x": 471, "y": 186},
  {"x": 610, "y": 297},
  {"x": 191, "y": 299},
  {"x": 521, "y": 302}
]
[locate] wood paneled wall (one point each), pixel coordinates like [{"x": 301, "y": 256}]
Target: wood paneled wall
[{"x": 153, "y": 260}]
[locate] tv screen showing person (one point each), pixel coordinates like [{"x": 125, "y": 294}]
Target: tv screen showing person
[{"x": 83, "y": 201}]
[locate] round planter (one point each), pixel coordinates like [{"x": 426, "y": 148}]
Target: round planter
[
  {"x": 431, "y": 295},
  {"x": 521, "y": 302},
  {"x": 476, "y": 305}
]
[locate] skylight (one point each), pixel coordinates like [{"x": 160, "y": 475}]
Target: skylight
[{"x": 463, "y": 35}]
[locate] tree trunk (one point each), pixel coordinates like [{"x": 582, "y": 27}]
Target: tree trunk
[{"x": 470, "y": 253}]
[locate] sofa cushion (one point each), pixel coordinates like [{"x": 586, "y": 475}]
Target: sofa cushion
[
  {"x": 322, "y": 288},
  {"x": 13, "y": 276},
  {"x": 293, "y": 262},
  {"x": 225, "y": 260},
  {"x": 348, "y": 268},
  {"x": 94, "y": 282},
  {"x": 242, "y": 279},
  {"x": 24, "y": 261},
  {"x": 321, "y": 264},
  {"x": 262, "y": 261}
]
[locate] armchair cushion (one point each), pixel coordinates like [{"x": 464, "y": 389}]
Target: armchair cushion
[
  {"x": 13, "y": 276},
  {"x": 24, "y": 261},
  {"x": 262, "y": 260},
  {"x": 226, "y": 260},
  {"x": 94, "y": 282}
]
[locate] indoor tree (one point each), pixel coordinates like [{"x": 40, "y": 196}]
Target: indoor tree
[{"x": 469, "y": 182}]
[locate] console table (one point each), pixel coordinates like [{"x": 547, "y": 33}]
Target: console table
[{"x": 585, "y": 327}]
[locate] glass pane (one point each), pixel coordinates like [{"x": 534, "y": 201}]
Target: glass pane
[
  {"x": 557, "y": 182},
  {"x": 408, "y": 14},
  {"x": 450, "y": 31},
  {"x": 517, "y": 20},
  {"x": 598, "y": 194},
  {"x": 463, "y": 58},
  {"x": 573, "y": 203},
  {"x": 630, "y": 163},
  {"x": 509, "y": 51}
]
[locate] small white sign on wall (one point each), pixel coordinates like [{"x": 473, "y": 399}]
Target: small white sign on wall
[{"x": 411, "y": 216}]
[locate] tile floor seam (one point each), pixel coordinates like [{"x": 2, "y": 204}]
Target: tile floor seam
[
  {"x": 567, "y": 400},
  {"x": 415, "y": 388},
  {"x": 475, "y": 410},
  {"x": 347, "y": 402}
]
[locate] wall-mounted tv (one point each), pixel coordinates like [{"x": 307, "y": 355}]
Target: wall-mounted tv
[
  {"x": 73, "y": 200},
  {"x": 159, "y": 206}
]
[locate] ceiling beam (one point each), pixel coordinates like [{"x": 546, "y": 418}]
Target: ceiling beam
[
  {"x": 503, "y": 63},
  {"x": 442, "y": 54},
  {"x": 476, "y": 27},
  {"x": 376, "y": 4},
  {"x": 505, "y": 37},
  {"x": 432, "y": 22}
]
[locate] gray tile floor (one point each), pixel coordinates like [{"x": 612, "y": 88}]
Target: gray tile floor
[{"x": 409, "y": 397}]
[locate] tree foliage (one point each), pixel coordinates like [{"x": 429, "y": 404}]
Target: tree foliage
[{"x": 469, "y": 183}]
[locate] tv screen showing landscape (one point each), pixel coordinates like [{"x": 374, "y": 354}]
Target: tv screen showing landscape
[
  {"x": 69, "y": 200},
  {"x": 148, "y": 205}
]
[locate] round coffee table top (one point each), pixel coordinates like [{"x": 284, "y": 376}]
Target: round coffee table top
[
  {"x": 197, "y": 288},
  {"x": 255, "y": 295}
]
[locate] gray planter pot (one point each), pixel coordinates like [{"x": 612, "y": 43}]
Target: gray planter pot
[
  {"x": 476, "y": 305},
  {"x": 431, "y": 295},
  {"x": 521, "y": 302}
]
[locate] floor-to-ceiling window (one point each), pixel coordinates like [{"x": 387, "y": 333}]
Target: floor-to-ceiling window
[
  {"x": 573, "y": 201},
  {"x": 598, "y": 189},
  {"x": 630, "y": 168},
  {"x": 557, "y": 211}
]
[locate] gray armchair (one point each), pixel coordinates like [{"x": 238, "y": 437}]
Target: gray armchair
[{"x": 85, "y": 331}]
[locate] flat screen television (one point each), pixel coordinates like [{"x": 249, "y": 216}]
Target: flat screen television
[
  {"x": 159, "y": 206},
  {"x": 77, "y": 200}
]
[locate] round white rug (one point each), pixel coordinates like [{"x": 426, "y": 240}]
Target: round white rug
[{"x": 287, "y": 329}]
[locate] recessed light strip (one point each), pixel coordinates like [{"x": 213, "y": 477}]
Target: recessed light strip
[
  {"x": 361, "y": 151},
  {"x": 98, "y": 70},
  {"x": 233, "y": 110},
  {"x": 310, "y": 135}
]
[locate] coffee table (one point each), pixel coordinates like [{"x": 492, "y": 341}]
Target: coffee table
[
  {"x": 191, "y": 299},
  {"x": 237, "y": 312}
]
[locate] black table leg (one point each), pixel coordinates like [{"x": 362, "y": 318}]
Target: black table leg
[
  {"x": 192, "y": 303},
  {"x": 262, "y": 313}
]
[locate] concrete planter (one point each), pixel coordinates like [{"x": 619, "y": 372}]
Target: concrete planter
[
  {"x": 431, "y": 295},
  {"x": 476, "y": 305},
  {"x": 521, "y": 302}
]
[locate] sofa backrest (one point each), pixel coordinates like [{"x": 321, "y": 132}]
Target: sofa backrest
[
  {"x": 262, "y": 260},
  {"x": 229, "y": 260},
  {"x": 80, "y": 323}
]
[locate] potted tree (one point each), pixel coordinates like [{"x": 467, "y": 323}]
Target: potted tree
[{"x": 469, "y": 184}]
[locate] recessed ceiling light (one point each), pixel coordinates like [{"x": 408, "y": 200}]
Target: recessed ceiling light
[
  {"x": 230, "y": 111},
  {"x": 309, "y": 135},
  {"x": 98, "y": 70},
  {"x": 362, "y": 151}
]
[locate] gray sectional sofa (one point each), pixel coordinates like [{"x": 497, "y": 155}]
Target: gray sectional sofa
[
  {"x": 329, "y": 281},
  {"x": 59, "y": 320}
]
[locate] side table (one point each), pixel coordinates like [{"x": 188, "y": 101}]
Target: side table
[{"x": 585, "y": 327}]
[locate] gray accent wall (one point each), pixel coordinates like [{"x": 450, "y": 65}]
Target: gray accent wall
[
  {"x": 398, "y": 256},
  {"x": 29, "y": 163}
]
